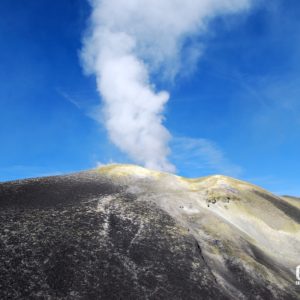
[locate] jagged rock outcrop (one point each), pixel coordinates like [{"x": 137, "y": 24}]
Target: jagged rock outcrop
[{"x": 125, "y": 232}]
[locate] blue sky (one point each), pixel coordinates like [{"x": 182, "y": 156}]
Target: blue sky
[{"x": 236, "y": 114}]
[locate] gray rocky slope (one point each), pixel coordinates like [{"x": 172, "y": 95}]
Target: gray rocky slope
[{"x": 125, "y": 232}]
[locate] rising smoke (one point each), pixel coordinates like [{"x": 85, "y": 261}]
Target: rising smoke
[{"x": 127, "y": 42}]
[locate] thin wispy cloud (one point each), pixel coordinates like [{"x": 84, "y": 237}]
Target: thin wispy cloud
[
  {"x": 201, "y": 153},
  {"x": 70, "y": 99},
  {"x": 93, "y": 111},
  {"x": 274, "y": 111},
  {"x": 277, "y": 185}
]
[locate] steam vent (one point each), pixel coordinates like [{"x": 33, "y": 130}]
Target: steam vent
[{"x": 125, "y": 232}]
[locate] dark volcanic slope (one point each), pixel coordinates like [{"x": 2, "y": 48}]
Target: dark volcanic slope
[
  {"x": 92, "y": 235},
  {"x": 57, "y": 242}
]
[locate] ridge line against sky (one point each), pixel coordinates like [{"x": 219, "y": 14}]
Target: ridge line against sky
[{"x": 234, "y": 110}]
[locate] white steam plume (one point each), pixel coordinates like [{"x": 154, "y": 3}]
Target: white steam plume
[{"x": 128, "y": 40}]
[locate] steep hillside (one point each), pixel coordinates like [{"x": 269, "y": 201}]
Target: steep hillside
[{"x": 125, "y": 232}]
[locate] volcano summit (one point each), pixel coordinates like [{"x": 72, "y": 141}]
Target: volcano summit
[{"x": 125, "y": 232}]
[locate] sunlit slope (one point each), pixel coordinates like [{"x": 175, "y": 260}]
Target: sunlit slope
[{"x": 245, "y": 232}]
